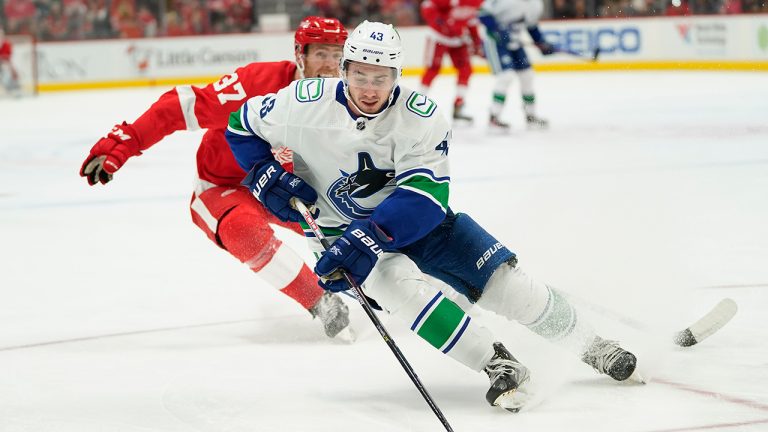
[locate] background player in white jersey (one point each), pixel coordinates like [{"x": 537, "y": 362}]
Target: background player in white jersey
[
  {"x": 504, "y": 21},
  {"x": 372, "y": 157}
]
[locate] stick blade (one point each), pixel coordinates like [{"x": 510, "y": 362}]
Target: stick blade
[
  {"x": 595, "y": 53},
  {"x": 707, "y": 325}
]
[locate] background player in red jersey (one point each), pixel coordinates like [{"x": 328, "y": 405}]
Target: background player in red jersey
[
  {"x": 454, "y": 31},
  {"x": 9, "y": 79},
  {"x": 226, "y": 211}
]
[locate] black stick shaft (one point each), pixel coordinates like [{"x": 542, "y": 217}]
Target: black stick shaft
[{"x": 375, "y": 319}]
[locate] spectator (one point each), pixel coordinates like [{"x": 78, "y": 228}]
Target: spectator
[
  {"x": 563, "y": 9},
  {"x": 678, "y": 8},
  {"x": 147, "y": 21},
  {"x": 55, "y": 25},
  {"x": 730, "y": 7},
  {"x": 20, "y": 16},
  {"x": 97, "y": 18}
]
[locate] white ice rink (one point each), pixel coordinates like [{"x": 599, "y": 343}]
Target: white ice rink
[{"x": 648, "y": 196}]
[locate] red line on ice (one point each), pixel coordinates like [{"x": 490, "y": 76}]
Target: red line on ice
[
  {"x": 716, "y": 395},
  {"x": 713, "y": 426}
]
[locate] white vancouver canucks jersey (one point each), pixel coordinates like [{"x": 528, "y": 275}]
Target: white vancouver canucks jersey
[
  {"x": 354, "y": 164},
  {"x": 513, "y": 16}
]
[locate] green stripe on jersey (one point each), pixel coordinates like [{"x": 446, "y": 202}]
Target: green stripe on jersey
[
  {"x": 441, "y": 323},
  {"x": 529, "y": 99},
  {"x": 438, "y": 191},
  {"x": 328, "y": 232},
  {"x": 498, "y": 97},
  {"x": 234, "y": 121}
]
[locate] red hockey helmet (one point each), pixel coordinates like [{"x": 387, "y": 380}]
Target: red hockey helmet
[{"x": 314, "y": 29}]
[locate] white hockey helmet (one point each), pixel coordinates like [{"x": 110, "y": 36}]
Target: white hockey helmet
[{"x": 373, "y": 43}]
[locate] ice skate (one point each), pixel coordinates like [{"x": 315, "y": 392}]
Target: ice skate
[
  {"x": 334, "y": 314},
  {"x": 534, "y": 122},
  {"x": 607, "y": 357},
  {"x": 509, "y": 380},
  {"x": 460, "y": 113},
  {"x": 497, "y": 125}
]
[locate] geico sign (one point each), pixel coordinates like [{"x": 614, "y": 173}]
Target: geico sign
[{"x": 609, "y": 39}]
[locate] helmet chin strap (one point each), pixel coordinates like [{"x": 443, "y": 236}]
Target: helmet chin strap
[{"x": 300, "y": 65}]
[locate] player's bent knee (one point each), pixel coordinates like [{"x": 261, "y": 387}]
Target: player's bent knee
[{"x": 246, "y": 235}]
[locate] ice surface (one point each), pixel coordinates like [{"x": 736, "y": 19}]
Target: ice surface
[{"x": 648, "y": 196}]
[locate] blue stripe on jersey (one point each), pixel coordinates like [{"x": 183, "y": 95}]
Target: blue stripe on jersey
[
  {"x": 423, "y": 171},
  {"x": 407, "y": 216},
  {"x": 244, "y": 116},
  {"x": 248, "y": 150},
  {"x": 425, "y": 310},
  {"x": 456, "y": 338}
]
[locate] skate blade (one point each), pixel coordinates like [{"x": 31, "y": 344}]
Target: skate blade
[
  {"x": 346, "y": 335},
  {"x": 512, "y": 401},
  {"x": 637, "y": 377}
]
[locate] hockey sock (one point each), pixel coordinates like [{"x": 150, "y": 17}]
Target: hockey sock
[
  {"x": 255, "y": 245},
  {"x": 527, "y": 91},
  {"x": 529, "y": 104},
  {"x": 500, "y": 87},
  {"x": 461, "y": 92},
  {"x": 545, "y": 311},
  {"x": 400, "y": 288}
]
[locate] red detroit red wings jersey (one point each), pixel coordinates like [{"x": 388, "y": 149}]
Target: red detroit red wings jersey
[
  {"x": 5, "y": 50},
  {"x": 193, "y": 108},
  {"x": 451, "y": 18}
]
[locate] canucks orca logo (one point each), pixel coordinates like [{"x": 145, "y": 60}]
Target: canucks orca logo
[{"x": 350, "y": 193}]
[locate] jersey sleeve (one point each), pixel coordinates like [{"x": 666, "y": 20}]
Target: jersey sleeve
[
  {"x": 258, "y": 126},
  {"x": 420, "y": 200},
  {"x": 533, "y": 13},
  {"x": 191, "y": 108}
]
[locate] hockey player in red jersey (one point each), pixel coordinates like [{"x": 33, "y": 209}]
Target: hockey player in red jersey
[
  {"x": 454, "y": 31},
  {"x": 9, "y": 79},
  {"x": 226, "y": 211}
]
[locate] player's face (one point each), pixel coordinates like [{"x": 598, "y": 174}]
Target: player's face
[
  {"x": 322, "y": 60},
  {"x": 369, "y": 86}
]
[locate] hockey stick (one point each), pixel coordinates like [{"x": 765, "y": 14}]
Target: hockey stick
[
  {"x": 704, "y": 327},
  {"x": 590, "y": 58},
  {"x": 707, "y": 325},
  {"x": 376, "y": 322}
]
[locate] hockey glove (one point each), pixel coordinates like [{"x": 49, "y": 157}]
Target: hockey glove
[
  {"x": 109, "y": 154},
  {"x": 355, "y": 252},
  {"x": 271, "y": 184},
  {"x": 546, "y": 48}
]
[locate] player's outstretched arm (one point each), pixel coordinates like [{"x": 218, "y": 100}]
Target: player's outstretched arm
[{"x": 545, "y": 47}]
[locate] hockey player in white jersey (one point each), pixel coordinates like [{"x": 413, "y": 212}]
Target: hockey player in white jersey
[
  {"x": 372, "y": 157},
  {"x": 504, "y": 21}
]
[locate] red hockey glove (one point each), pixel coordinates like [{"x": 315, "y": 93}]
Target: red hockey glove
[
  {"x": 477, "y": 49},
  {"x": 110, "y": 153}
]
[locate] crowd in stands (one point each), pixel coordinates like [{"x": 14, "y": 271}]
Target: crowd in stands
[
  {"x": 88, "y": 19},
  {"x": 53, "y": 20}
]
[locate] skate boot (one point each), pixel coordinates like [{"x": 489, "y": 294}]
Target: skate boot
[
  {"x": 498, "y": 125},
  {"x": 607, "y": 357},
  {"x": 460, "y": 113},
  {"x": 334, "y": 314},
  {"x": 509, "y": 380},
  {"x": 534, "y": 122}
]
